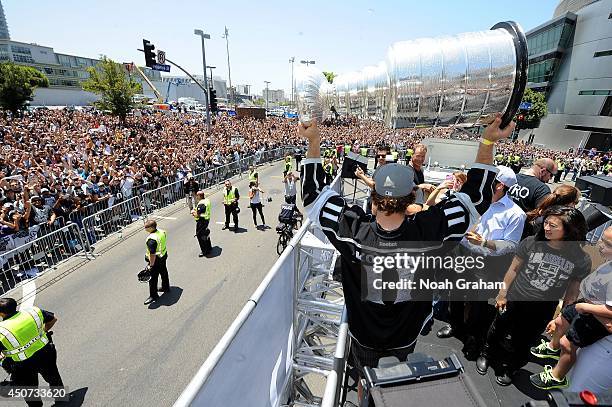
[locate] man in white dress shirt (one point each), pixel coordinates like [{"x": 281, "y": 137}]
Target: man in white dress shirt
[{"x": 495, "y": 237}]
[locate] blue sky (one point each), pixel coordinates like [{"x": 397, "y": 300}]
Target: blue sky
[{"x": 340, "y": 36}]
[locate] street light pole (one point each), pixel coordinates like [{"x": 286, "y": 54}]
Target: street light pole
[
  {"x": 292, "y": 60},
  {"x": 205, "y": 36},
  {"x": 229, "y": 71},
  {"x": 267, "y": 93}
]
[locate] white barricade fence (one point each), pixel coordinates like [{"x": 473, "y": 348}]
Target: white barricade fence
[
  {"x": 34, "y": 255},
  {"x": 264, "y": 356},
  {"x": 29, "y": 252},
  {"x": 112, "y": 220}
]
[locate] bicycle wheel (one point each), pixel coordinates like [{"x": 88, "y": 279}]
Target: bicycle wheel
[{"x": 281, "y": 244}]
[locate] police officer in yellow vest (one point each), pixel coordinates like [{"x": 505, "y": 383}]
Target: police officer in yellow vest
[
  {"x": 156, "y": 257},
  {"x": 201, "y": 214},
  {"x": 347, "y": 149},
  {"x": 409, "y": 154},
  {"x": 499, "y": 158},
  {"x": 26, "y": 349},
  {"x": 395, "y": 155},
  {"x": 230, "y": 201},
  {"x": 328, "y": 168},
  {"x": 363, "y": 151},
  {"x": 560, "y": 168},
  {"x": 288, "y": 165},
  {"x": 253, "y": 174}
]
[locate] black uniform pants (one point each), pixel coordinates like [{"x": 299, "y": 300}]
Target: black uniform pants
[
  {"x": 44, "y": 362},
  {"x": 159, "y": 269},
  {"x": 203, "y": 235},
  {"x": 231, "y": 210},
  {"x": 258, "y": 207}
]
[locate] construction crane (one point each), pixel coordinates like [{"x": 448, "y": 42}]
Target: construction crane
[{"x": 157, "y": 94}]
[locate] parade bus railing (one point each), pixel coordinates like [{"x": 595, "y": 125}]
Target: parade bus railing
[{"x": 30, "y": 252}]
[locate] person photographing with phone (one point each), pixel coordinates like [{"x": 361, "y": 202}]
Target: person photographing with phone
[{"x": 256, "y": 205}]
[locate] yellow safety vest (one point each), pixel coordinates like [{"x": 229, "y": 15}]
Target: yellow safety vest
[
  {"x": 253, "y": 176},
  {"x": 160, "y": 238},
  {"x": 23, "y": 334},
  {"x": 228, "y": 196},
  {"x": 206, "y": 214}
]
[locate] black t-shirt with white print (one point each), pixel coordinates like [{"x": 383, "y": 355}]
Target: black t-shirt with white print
[
  {"x": 528, "y": 192},
  {"x": 547, "y": 271}
]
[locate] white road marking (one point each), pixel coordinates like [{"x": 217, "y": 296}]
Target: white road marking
[
  {"x": 163, "y": 217},
  {"x": 29, "y": 294},
  {"x": 223, "y": 223}
]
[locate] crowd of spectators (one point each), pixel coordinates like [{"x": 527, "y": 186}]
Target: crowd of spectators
[{"x": 54, "y": 163}]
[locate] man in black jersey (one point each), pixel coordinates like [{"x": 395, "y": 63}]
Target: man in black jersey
[{"x": 387, "y": 322}]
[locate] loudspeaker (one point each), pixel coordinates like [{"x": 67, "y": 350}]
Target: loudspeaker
[
  {"x": 600, "y": 187},
  {"x": 596, "y": 215}
]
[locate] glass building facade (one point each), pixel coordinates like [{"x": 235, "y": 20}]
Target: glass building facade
[{"x": 546, "y": 46}]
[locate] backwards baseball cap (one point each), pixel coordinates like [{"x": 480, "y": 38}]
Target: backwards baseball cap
[
  {"x": 506, "y": 176},
  {"x": 394, "y": 180}
]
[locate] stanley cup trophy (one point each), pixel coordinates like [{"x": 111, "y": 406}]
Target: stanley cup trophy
[{"x": 458, "y": 80}]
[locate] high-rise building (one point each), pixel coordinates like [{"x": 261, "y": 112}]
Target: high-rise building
[
  {"x": 4, "y": 31},
  {"x": 274, "y": 95},
  {"x": 570, "y": 60}
]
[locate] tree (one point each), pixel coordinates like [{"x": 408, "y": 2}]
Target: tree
[
  {"x": 259, "y": 102},
  {"x": 536, "y": 112},
  {"x": 17, "y": 85},
  {"x": 329, "y": 76},
  {"x": 109, "y": 80}
]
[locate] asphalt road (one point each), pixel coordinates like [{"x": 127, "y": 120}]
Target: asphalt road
[{"x": 115, "y": 351}]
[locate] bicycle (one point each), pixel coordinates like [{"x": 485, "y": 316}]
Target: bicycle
[{"x": 285, "y": 234}]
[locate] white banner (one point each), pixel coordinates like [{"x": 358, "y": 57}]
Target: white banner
[
  {"x": 21, "y": 241},
  {"x": 255, "y": 368}
]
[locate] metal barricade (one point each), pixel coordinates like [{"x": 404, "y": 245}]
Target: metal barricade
[
  {"x": 112, "y": 220},
  {"x": 40, "y": 254}
]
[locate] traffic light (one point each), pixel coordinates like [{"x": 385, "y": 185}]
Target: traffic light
[
  {"x": 520, "y": 121},
  {"x": 150, "y": 58},
  {"x": 213, "y": 99}
]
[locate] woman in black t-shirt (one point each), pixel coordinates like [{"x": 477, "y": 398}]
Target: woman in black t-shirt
[
  {"x": 564, "y": 195},
  {"x": 546, "y": 267}
]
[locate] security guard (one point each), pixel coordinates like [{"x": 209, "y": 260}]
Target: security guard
[
  {"x": 347, "y": 149},
  {"x": 499, "y": 158},
  {"x": 156, "y": 257},
  {"x": 560, "y": 169},
  {"x": 363, "y": 151},
  {"x": 288, "y": 166},
  {"x": 253, "y": 174},
  {"x": 201, "y": 214},
  {"x": 230, "y": 201},
  {"x": 26, "y": 350},
  {"x": 395, "y": 155},
  {"x": 409, "y": 154},
  {"x": 328, "y": 168}
]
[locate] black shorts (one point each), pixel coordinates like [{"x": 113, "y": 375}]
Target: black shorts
[
  {"x": 363, "y": 356},
  {"x": 584, "y": 329}
]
